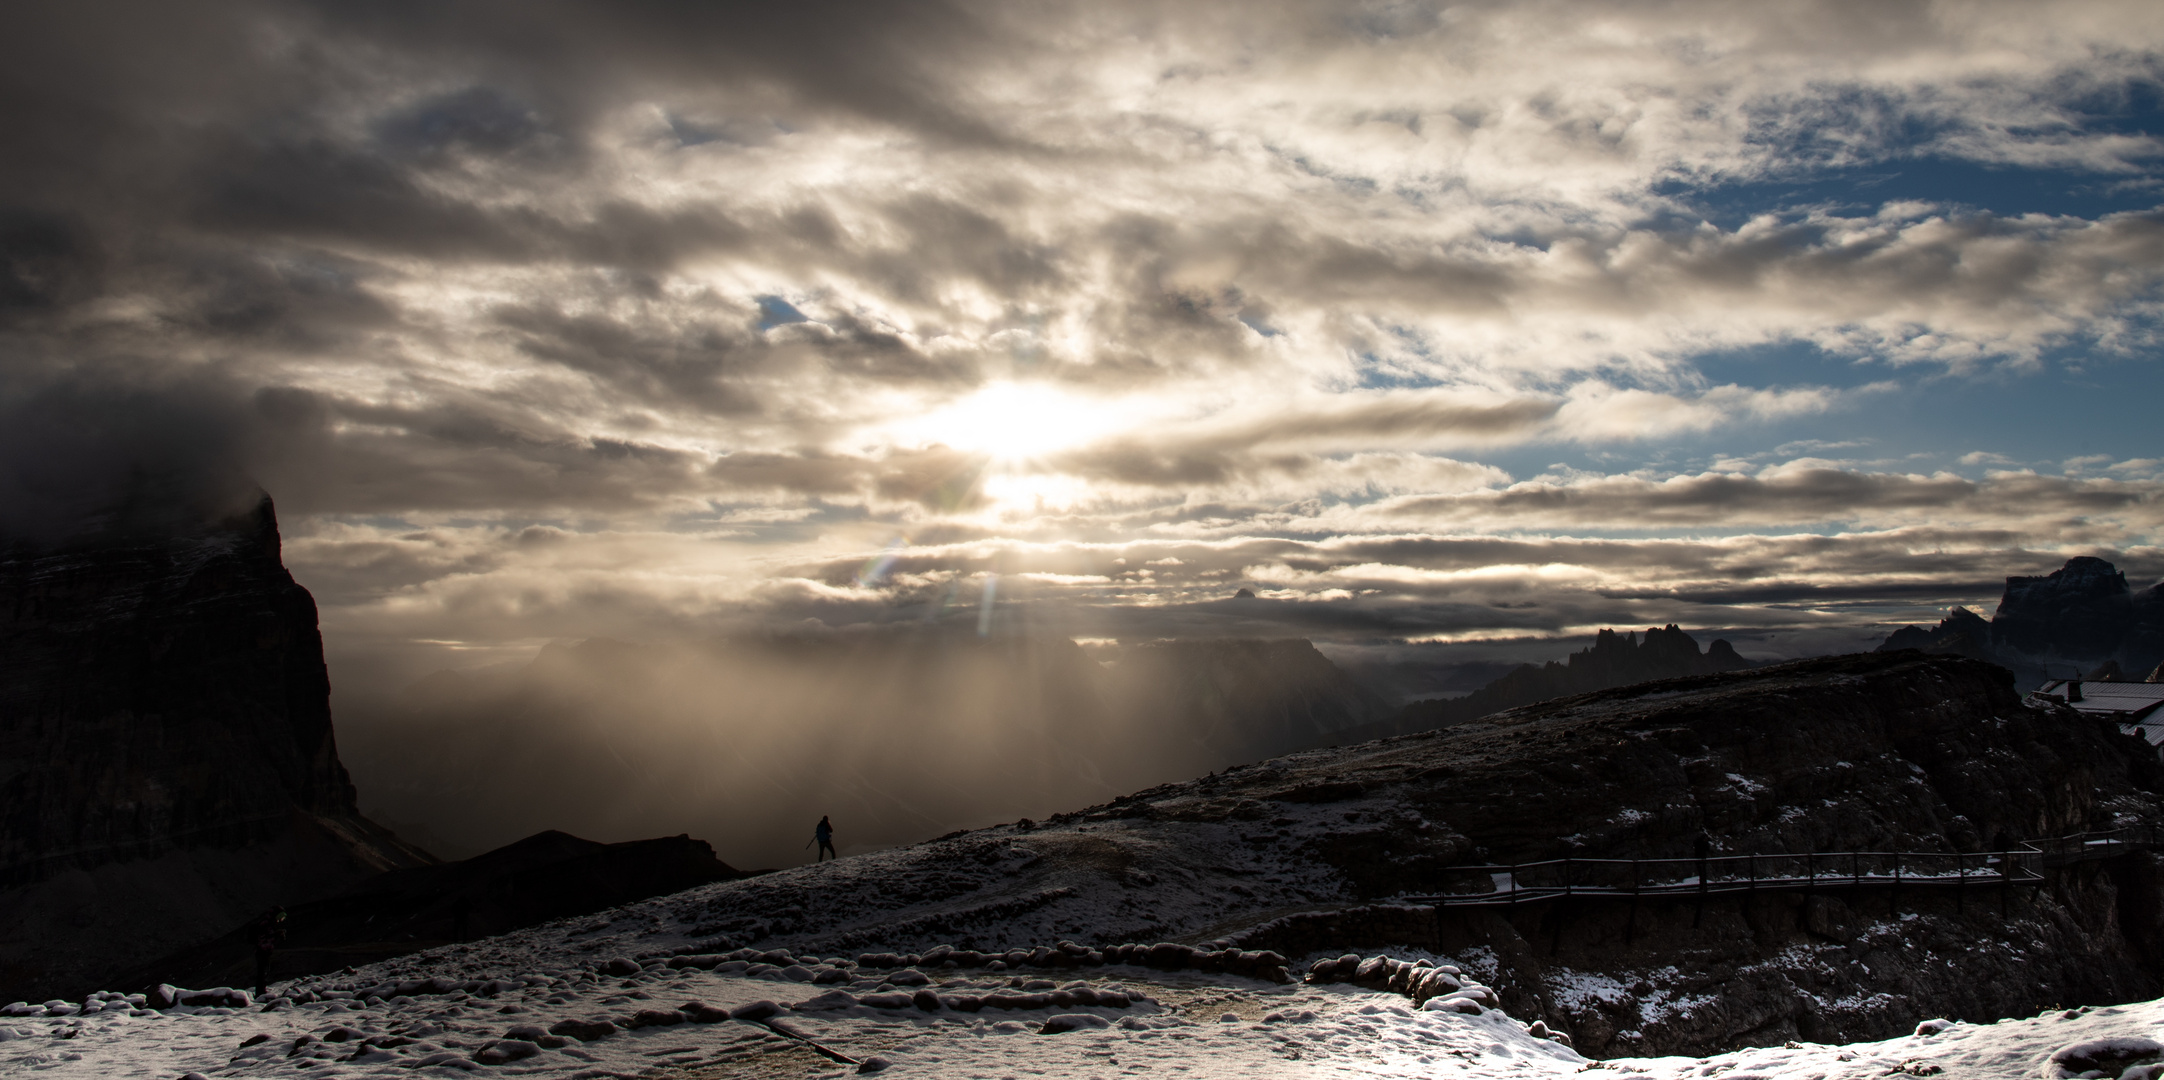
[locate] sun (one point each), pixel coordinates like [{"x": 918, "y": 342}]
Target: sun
[{"x": 1015, "y": 421}]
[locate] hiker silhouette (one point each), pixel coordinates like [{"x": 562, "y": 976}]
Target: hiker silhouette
[
  {"x": 269, "y": 930},
  {"x": 824, "y": 834}
]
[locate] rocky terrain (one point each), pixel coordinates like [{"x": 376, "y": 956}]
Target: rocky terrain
[
  {"x": 1243, "y": 922},
  {"x": 1307, "y": 851},
  {"x": 167, "y": 764},
  {"x": 2082, "y": 619},
  {"x": 1612, "y": 660}
]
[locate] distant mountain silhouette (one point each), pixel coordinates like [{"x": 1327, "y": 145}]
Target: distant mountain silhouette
[
  {"x": 2081, "y": 619},
  {"x": 898, "y": 735},
  {"x": 1613, "y": 660},
  {"x": 546, "y": 876},
  {"x": 1961, "y": 633}
]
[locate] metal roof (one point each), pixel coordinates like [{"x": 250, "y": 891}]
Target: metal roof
[{"x": 2138, "y": 700}]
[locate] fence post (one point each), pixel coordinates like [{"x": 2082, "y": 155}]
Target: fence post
[
  {"x": 1698, "y": 915},
  {"x": 2006, "y": 884},
  {"x": 1513, "y": 883},
  {"x": 1893, "y": 896},
  {"x": 1810, "y": 885}
]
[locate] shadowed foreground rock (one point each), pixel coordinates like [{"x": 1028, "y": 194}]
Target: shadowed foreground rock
[
  {"x": 167, "y": 766},
  {"x": 550, "y": 875}
]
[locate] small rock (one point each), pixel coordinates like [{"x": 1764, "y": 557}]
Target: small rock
[
  {"x": 702, "y": 1013},
  {"x": 583, "y": 1030},
  {"x": 1064, "y": 1022},
  {"x": 757, "y": 1010},
  {"x": 505, "y": 1050},
  {"x": 646, "y": 1018}
]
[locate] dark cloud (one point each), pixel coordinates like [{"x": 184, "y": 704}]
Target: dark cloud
[
  {"x": 1788, "y": 497},
  {"x": 47, "y": 261},
  {"x": 895, "y": 63},
  {"x": 478, "y": 120},
  {"x": 701, "y": 365},
  {"x": 87, "y": 457}
]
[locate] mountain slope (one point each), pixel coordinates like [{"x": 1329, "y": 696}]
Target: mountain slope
[{"x": 1878, "y": 752}]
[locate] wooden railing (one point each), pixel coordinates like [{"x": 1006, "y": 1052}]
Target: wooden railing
[{"x": 1519, "y": 883}]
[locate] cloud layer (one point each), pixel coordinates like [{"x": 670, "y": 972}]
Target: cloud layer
[{"x": 1421, "y": 322}]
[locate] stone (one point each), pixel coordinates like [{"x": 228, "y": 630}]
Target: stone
[{"x": 584, "y": 1030}]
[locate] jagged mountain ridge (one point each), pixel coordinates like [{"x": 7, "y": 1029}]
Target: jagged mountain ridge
[
  {"x": 898, "y": 735},
  {"x": 167, "y": 762},
  {"x": 2071, "y": 622},
  {"x": 1612, "y": 660}
]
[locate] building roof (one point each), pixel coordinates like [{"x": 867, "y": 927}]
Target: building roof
[{"x": 2138, "y": 700}]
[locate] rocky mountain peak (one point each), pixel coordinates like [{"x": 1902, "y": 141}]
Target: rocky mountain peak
[
  {"x": 1614, "y": 659},
  {"x": 165, "y": 726},
  {"x": 2080, "y": 609},
  {"x": 2073, "y": 620}
]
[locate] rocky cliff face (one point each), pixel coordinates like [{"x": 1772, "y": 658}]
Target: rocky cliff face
[
  {"x": 2081, "y": 609},
  {"x": 1612, "y": 660},
  {"x": 167, "y": 765},
  {"x": 2072, "y": 621},
  {"x": 1890, "y": 752}
]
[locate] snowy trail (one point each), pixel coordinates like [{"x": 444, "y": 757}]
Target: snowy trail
[{"x": 1172, "y": 1024}]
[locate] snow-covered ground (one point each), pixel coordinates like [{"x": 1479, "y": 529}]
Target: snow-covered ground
[
  {"x": 673, "y": 986},
  {"x": 815, "y": 1018}
]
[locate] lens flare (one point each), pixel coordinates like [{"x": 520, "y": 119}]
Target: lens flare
[
  {"x": 875, "y": 569},
  {"x": 1015, "y": 421},
  {"x": 984, "y": 606}
]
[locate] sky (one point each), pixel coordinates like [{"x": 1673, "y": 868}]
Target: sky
[{"x": 1426, "y": 324}]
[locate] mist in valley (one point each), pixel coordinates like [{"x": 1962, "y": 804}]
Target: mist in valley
[{"x": 898, "y": 736}]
